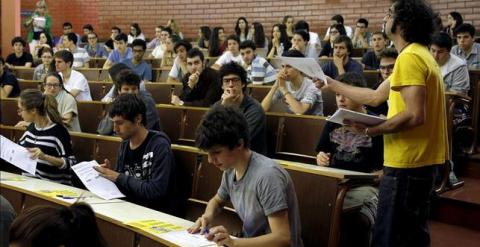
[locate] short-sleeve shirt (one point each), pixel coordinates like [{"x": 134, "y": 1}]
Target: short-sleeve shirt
[
  {"x": 473, "y": 59},
  {"x": 368, "y": 38},
  {"x": 116, "y": 57},
  {"x": 80, "y": 58},
  {"x": 227, "y": 57},
  {"x": 307, "y": 93},
  {"x": 19, "y": 61},
  {"x": 351, "y": 66},
  {"x": 98, "y": 52},
  {"x": 66, "y": 104},
  {"x": 455, "y": 75},
  {"x": 350, "y": 150},
  {"x": 371, "y": 60},
  {"x": 261, "y": 71},
  {"x": 78, "y": 81},
  {"x": 265, "y": 189},
  {"x": 143, "y": 69},
  {"x": 176, "y": 70},
  {"x": 8, "y": 79},
  {"x": 425, "y": 144}
]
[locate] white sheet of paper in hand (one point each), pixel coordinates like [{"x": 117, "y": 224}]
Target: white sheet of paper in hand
[
  {"x": 307, "y": 65},
  {"x": 343, "y": 114},
  {"x": 95, "y": 183},
  {"x": 185, "y": 239},
  {"x": 17, "y": 155}
]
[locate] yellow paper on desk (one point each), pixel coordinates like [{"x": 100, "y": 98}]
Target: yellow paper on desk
[
  {"x": 59, "y": 193},
  {"x": 154, "y": 226},
  {"x": 15, "y": 179}
]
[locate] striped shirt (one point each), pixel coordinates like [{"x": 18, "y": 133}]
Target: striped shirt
[
  {"x": 261, "y": 72},
  {"x": 53, "y": 140}
]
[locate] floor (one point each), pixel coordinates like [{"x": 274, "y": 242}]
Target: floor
[
  {"x": 445, "y": 235},
  {"x": 470, "y": 192}
]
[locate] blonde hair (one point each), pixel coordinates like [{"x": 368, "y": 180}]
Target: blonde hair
[
  {"x": 42, "y": 3},
  {"x": 45, "y": 105},
  {"x": 173, "y": 25}
]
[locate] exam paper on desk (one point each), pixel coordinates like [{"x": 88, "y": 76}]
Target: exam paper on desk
[{"x": 95, "y": 183}]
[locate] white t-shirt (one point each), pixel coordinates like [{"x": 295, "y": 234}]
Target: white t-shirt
[
  {"x": 227, "y": 57},
  {"x": 158, "y": 51},
  {"x": 80, "y": 58},
  {"x": 176, "y": 71},
  {"x": 131, "y": 38},
  {"x": 78, "y": 81}
]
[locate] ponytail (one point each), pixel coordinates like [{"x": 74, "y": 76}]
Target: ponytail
[
  {"x": 45, "y": 105},
  {"x": 50, "y": 105}
]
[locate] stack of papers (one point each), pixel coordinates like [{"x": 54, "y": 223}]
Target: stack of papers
[
  {"x": 343, "y": 114},
  {"x": 95, "y": 183},
  {"x": 17, "y": 155}
]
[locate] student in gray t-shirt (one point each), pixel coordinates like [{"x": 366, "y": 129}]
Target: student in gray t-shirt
[{"x": 261, "y": 191}]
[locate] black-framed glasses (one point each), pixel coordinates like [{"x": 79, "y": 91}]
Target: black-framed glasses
[{"x": 233, "y": 80}]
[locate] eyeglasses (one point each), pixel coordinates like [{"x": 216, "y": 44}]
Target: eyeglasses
[
  {"x": 233, "y": 80},
  {"x": 51, "y": 85},
  {"x": 387, "y": 67}
]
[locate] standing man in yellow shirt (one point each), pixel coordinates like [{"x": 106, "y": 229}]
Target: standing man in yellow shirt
[{"x": 415, "y": 134}]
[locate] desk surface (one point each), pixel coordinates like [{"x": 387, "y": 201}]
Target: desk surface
[{"x": 117, "y": 211}]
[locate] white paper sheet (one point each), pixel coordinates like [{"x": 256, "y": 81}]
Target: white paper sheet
[
  {"x": 185, "y": 239},
  {"x": 95, "y": 183},
  {"x": 343, "y": 114},
  {"x": 307, "y": 65},
  {"x": 17, "y": 155},
  {"x": 40, "y": 21}
]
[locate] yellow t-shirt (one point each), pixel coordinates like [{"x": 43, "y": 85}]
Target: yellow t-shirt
[{"x": 426, "y": 144}]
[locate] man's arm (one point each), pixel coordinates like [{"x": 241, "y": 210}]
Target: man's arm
[
  {"x": 413, "y": 115},
  {"x": 214, "y": 207},
  {"x": 279, "y": 235},
  {"x": 5, "y": 91},
  {"x": 361, "y": 95}
]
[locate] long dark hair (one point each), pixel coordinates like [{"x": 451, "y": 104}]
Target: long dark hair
[
  {"x": 214, "y": 49},
  {"x": 60, "y": 80},
  {"x": 137, "y": 27},
  {"x": 45, "y": 225},
  {"x": 45, "y": 105},
  {"x": 237, "y": 28},
  {"x": 206, "y": 33},
  {"x": 457, "y": 17},
  {"x": 283, "y": 37},
  {"x": 49, "y": 39},
  {"x": 259, "y": 35}
]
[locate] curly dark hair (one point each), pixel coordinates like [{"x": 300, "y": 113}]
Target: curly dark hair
[
  {"x": 129, "y": 106},
  {"x": 233, "y": 68},
  {"x": 222, "y": 126},
  {"x": 415, "y": 18}
]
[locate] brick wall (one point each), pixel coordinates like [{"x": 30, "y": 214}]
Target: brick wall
[{"x": 191, "y": 14}]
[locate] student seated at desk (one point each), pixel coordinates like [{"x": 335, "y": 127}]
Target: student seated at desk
[
  {"x": 145, "y": 171},
  {"x": 259, "y": 70},
  {"x": 342, "y": 147},
  {"x": 234, "y": 84},
  {"x": 19, "y": 58},
  {"x": 55, "y": 226},
  {"x": 46, "y": 138},
  {"x": 128, "y": 82},
  {"x": 121, "y": 52},
  {"x": 261, "y": 191},
  {"x": 8, "y": 82},
  {"x": 179, "y": 68},
  {"x": 231, "y": 54},
  {"x": 74, "y": 81},
  {"x": 297, "y": 91},
  {"x": 137, "y": 63},
  {"x": 201, "y": 86}
]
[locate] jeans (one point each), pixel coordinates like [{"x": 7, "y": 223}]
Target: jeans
[{"x": 403, "y": 207}]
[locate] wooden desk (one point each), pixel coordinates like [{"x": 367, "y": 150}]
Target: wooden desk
[{"x": 112, "y": 215}]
